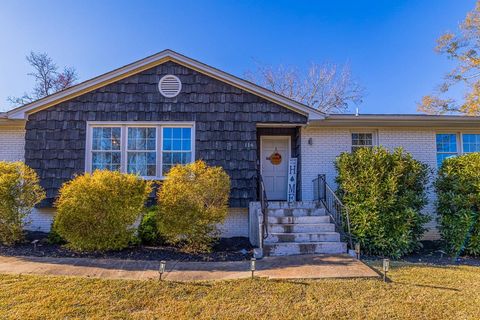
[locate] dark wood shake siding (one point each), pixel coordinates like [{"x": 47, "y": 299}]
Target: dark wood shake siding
[{"x": 225, "y": 122}]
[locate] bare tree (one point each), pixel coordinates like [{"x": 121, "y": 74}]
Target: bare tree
[
  {"x": 326, "y": 87},
  {"x": 48, "y": 79}
]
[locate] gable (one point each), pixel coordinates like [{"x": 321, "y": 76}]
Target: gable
[{"x": 151, "y": 62}]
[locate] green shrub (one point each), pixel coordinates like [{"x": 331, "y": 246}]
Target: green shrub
[
  {"x": 148, "y": 228},
  {"x": 384, "y": 193},
  {"x": 192, "y": 201},
  {"x": 54, "y": 237},
  {"x": 19, "y": 193},
  {"x": 458, "y": 203},
  {"x": 97, "y": 211}
]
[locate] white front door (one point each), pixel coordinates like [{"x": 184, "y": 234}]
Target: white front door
[{"x": 274, "y": 156}]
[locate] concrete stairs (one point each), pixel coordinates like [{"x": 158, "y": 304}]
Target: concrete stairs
[{"x": 300, "y": 228}]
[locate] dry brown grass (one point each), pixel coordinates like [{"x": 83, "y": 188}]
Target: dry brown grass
[{"x": 417, "y": 292}]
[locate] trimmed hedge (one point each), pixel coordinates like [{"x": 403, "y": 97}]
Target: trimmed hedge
[
  {"x": 192, "y": 201},
  {"x": 19, "y": 193},
  {"x": 458, "y": 204},
  {"x": 98, "y": 211},
  {"x": 384, "y": 193}
]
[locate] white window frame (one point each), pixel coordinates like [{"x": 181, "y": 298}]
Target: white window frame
[
  {"x": 104, "y": 151},
  {"x": 123, "y": 125},
  {"x": 459, "y": 140},
  {"x": 372, "y": 132}
]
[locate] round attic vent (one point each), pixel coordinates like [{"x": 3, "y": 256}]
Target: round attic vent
[{"x": 169, "y": 86}]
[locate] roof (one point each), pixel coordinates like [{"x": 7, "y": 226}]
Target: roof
[
  {"x": 398, "y": 120},
  {"x": 9, "y": 123},
  {"x": 152, "y": 61}
]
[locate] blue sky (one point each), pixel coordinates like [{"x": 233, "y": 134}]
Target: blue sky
[{"x": 388, "y": 44}]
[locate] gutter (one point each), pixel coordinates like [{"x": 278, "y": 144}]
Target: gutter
[{"x": 397, "y": 120}]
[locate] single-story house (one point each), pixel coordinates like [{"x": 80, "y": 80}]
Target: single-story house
[{"x": 168, "y": 109}]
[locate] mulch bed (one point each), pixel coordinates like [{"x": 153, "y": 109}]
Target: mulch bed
[
  {"x": 226, "y": 249},
  {"x": 432, "y": 253}
]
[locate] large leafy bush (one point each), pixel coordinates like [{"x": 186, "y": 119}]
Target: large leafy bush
[
  {"x": 384, "y": 193},
  {"x": 458, "y": 204},
  {"x": 192, "y": 201},
  {"x": 98, "y": 211},
  {"x": 19, "y": 192}
]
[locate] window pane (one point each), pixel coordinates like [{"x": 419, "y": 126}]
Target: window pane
[
  {"x": 106, "y": 161},
  {"x": 186, "y": 133},
  {"x": 106, "y": 133},
  {"x": 177, "y": 144},
  {"x": 361, "y": 140},
  {"x": 186, "y": 145},
  {"x": 106, "y": 139},
  {"x": 142, "y": 163},
  {"x": 471, "y": 143},
  {"x": 177, "y": 133},
  {"x": 141, "y": 139},
  {"x": 167, "y": 133},
  {"x": 447, "y": 142},
  {"x": 167, "y": 145}
]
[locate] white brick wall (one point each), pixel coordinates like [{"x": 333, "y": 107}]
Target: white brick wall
[
  {"x": 12, "y": 143},
  {"x": 319, "y": 157},
  {"x": 328, "y": 143},
  {"x": 40, "y": 220},
  {"x": 236, "y": 223}
]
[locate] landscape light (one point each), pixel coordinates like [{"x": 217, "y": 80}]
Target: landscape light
[
  {"x": 386, "y": 267},
  {"x": 253, "y": 263},
  {"x": 357, "y": 250},
  {"x": 161, "y": 269},
  {"x": 35, "y": 242}
]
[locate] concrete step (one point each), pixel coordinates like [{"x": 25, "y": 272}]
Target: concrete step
[
  {"x": 300, "y": 227},
  {"x": 294, "y": 205},
  {"x": 295, "y": 212},
  {"x": 292, "y": 248},
  {"x": 299, "y": 219},
  {"x": 303, "y": 237}
]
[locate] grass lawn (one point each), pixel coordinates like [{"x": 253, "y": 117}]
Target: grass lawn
[{"x": 417, "y": 292}]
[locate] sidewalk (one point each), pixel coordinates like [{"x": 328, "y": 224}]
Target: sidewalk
[{"x": 291, "y": 267}]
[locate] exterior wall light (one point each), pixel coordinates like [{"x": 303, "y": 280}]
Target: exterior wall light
[
  {"x": 253, "y": 263},
  {"x": 386, "y": 268},
  {"x": 161, "y": 269},
  {"x": 357, "y": 250},
  {"x": 310, "y": 141}
]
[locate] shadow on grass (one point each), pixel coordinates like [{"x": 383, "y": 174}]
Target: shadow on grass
[
  {"x": 426, "y": 286},
  {"x": 376, "y": 266}
]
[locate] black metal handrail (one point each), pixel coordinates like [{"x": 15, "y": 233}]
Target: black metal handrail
[
  {"x": 334, "y": 207},
  {"x": 263, "y": 205}
]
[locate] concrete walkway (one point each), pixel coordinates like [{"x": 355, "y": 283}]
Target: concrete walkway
[{"x": 291, "y": 267}]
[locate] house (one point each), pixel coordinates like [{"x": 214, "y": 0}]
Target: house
[{"x": 168, "y": 109}]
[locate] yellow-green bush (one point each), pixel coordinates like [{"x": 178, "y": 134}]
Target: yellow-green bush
[
  {"x": 192, "y": 201},
  {"x": 19, "y": 192},
  {"x": 97, "y": 211},
  {"x": 458, "y": 204}
]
